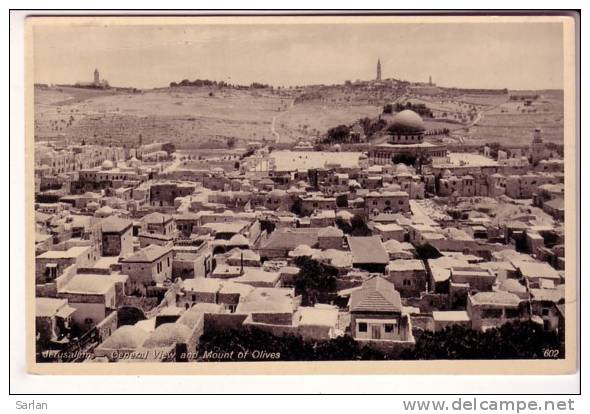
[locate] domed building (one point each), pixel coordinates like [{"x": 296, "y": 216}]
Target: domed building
[
  {"x": 107, "y": 165},
  {"x": 406, "y": 127},
  {"x": 406, "y": 137}
]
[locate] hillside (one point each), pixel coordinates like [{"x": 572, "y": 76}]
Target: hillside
[
  {"x": 188, "y": 116},
  {"x": 201, "y": 117}
]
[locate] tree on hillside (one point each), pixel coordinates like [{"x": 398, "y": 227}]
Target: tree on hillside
[
  {"x": 296, "y": 207},
  {"x": 372, "y": 126},
  {"x": 359, "y": 227},
  {"x": 519, "y": 340},
  {"x": 343, "y": 225},
  {"x": 281, "y": 347},
  {"x": 495, "y": 147},
  {"x": 427, "y": 251},
  {"x": 231, "y": 142},
  {"x": 338, "y": 134},
  {"x": 342, "y": 200},
  {"x": 407, "y": 159},
  {"x": 267, "y": 225},
  {"x": 422, "y": 160},
  {"x": 316, "y": 282}
]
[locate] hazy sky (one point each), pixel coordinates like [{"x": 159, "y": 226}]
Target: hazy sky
[{"x": 512, "y": 55}]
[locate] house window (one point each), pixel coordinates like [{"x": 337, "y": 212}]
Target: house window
[
  {"x": 545, "y": 312},
  {"x": 388, "y": 327},
  {"x": 512, "y": 313},
  {"x": 362, "y": 327},
  {"x": 491, "y": 313},
  {"x": 168, "y": 259},
  {"x": 407, "y": 282}
]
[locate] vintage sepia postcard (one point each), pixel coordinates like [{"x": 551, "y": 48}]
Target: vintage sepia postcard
[{"x": 294, "y": 194}]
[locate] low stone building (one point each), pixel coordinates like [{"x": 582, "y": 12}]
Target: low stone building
[
  {"x": 493, "y": 309},
  {"x": 408, "y": 276}
]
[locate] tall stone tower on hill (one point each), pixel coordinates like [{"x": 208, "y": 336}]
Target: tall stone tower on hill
[{"x": 378, "y": 70}]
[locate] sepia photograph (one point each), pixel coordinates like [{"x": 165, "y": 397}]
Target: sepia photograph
[{"x": 359, "y": 194}]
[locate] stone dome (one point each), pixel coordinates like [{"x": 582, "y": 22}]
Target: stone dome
[
  {"x": 168, "y": 334},
  {"x": 134, "y": 162},
  {"x": 277, "y": 194},
  {"x": 513, "y": 286},
  {"x": 126, "y": 337},
  {"x": 107, "y": 165},
  {"x": 330, "y": 232},
  {"x": 238, "y": 240},
  {"x": 302, "y": 250},
  {"x": 104, "y": 211},
  {"x": 393, "y": 187},
  {"x": 401, "y": 168},
  {"x": 407, "y": 121}
]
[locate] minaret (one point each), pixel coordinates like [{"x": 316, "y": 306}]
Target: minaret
[
  {"x": 378, "y": 79},
  {"x": 96, "y": 77},
  {"x": 430, "y": 80},
  {"x": 537, "y": 147}
]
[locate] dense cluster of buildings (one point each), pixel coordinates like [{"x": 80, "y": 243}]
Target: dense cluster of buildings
[{"x": 138, "y": 253}]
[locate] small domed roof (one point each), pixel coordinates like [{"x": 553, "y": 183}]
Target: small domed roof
[
  {"x": 393, "y": 187},
  {"x": 402, "y": 168},
  {"x": 245, "y": 254},
  {"x": 277, "y": 193},
  {"x": 126, "y": 337},
  {"x": 392, "y": 245},
  {"x": 446, "y": 173},
  {"x": 107, "y": 165},
  {"x": 238, "y": 240},
  {"x": 330, "y": 232},
  {"x": 407, "y": 121},
  {"x": 134, "y": 162},
  {"x": 513, "y": 286},
  {"x": 104, "y": 211},
  {"x": 168, "y": 334},
  {"x": 302, "y": 250}
]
